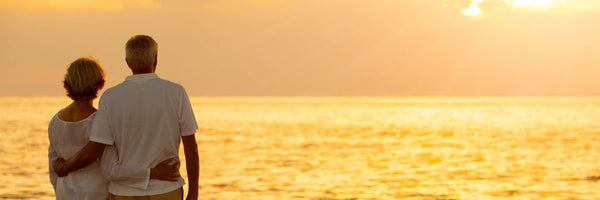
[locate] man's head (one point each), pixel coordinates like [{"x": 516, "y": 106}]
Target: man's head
[{"x": 141, "y": 53}]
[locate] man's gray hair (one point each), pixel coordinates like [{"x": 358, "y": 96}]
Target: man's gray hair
[{"x": 141, "y": 51}]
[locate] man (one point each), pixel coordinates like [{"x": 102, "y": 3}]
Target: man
[{"x": 143, "y": 117}]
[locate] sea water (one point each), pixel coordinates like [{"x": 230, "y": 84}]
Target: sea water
[{"x": 336, "y": 148}]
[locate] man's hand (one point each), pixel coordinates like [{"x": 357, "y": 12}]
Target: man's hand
[
  {"x": 167, "y": 170},
  {"x": 58, "y": 167}
]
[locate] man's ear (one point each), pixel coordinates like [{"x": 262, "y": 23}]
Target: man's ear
[{"x": 155, "y": 60}]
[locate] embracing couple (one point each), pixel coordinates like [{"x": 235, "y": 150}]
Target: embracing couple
[{"x": 129, "y": 147}]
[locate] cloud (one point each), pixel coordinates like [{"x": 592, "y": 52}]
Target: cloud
[
  {"x": 78, "y": 5},
  {"x": 582, "y": 6},
  {"x": 479, "y": 7}
]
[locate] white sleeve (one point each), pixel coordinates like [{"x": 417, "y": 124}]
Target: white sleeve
[
  {"x": 52, "y": 156},
  {"x": 101, "y": 131},
  {"x": 114, "y": 171},
  {"x": 187, "y": 120}
]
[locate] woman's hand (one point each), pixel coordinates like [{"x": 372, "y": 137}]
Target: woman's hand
[
  {"x": 166, "y": 170},
  {"x": 58, "y": 167}
]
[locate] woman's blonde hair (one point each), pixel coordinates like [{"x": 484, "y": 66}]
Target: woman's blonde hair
[{"x": 83, "y": 79}]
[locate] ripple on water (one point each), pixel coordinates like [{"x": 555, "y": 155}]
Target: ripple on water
[
  {"x": 425, "y": 196},
  {"x": 592, "y": 178},
  {"x": 536, "y": 194},
  {"x": 15, "y": 196},
  {"x": 507, "y": 193}
]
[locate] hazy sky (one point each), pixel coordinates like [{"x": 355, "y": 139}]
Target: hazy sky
[{"x": 313, "y": 47}]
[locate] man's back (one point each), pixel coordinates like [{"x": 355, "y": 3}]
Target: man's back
[{"x": 144, "y": 117}]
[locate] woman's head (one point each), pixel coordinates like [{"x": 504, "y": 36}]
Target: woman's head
[{"x": 83, "y": 79}]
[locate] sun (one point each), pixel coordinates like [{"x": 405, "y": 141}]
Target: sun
[{"x": 475, "y": 7}]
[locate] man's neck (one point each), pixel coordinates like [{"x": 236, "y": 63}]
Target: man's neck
[{"x": 142, "y": 72}]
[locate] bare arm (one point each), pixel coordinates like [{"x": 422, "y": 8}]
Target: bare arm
[
  {"x": 86, "y": 156},
  {"x": 192, "y": 164}
]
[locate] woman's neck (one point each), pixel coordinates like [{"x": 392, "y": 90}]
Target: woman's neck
[
  {"x": 83, "y": 104},
  {"x": 76, "y": 111}
]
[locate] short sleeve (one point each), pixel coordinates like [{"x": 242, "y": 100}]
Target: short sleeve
[
  {"x": 52, "y": 156},
  {"x": 187, "y": 120},
  {"x": 101, "y": 128}
]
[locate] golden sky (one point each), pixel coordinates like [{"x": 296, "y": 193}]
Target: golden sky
[{"x": 313, "y": 47}]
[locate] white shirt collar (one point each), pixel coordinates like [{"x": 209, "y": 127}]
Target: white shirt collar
[{"x": 141, "y": 77}]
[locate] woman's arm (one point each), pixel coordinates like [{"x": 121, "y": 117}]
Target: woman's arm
[
  {"x": 138, "y": 177},
  {"x": 86, "y": 156}
]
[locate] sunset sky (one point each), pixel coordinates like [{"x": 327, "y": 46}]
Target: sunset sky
[{"x": 313, "y": 47}]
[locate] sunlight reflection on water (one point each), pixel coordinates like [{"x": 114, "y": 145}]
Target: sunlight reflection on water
[{"x": 357, "y": 148}]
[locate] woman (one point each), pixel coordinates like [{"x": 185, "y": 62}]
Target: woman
[{"x": 68, "y": 133}]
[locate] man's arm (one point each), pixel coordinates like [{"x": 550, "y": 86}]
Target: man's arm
[
  {"x": 192, "y": 164},
  {"x": 187, "y": 128},
  {"x": 86, "y": 156}
]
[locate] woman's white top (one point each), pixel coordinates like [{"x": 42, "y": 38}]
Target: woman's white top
[
  {"x": 66, "y": 139},
  {"x": 90, "y": 182}
]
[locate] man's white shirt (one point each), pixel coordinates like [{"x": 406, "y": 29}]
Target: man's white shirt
[{"x": 144, "y": 118}]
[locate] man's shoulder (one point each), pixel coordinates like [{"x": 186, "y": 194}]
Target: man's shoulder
[
  {"x": 125, "y": 87},
  {"x": 173, "y": 86},
  {"x": 170, "y": 83},
  {"x": 109, "y": 92}
]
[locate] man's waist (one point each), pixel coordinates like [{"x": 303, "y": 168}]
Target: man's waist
[{"x": 154, "y": 187}]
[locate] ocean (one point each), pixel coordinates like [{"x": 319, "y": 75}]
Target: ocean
[{"x": 355, "y": 148}]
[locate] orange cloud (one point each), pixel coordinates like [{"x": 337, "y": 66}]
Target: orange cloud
[
  {"x": 74, "y": 5},
  {"x": 479, "y": 7}
]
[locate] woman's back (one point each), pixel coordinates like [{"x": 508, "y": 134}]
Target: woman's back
[{"x": 68, "y": 133}]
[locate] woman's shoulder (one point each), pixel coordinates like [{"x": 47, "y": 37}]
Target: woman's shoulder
[
  {"x": 56, "y": 117},
  {"x": 68, "y": 132},
  {"x": 72, "y": 115}
]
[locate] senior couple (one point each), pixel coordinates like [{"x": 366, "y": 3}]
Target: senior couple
[{"x": 127, "y": 149}]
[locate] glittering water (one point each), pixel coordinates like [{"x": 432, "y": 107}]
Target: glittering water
[{"x": 357, "y": 148}]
